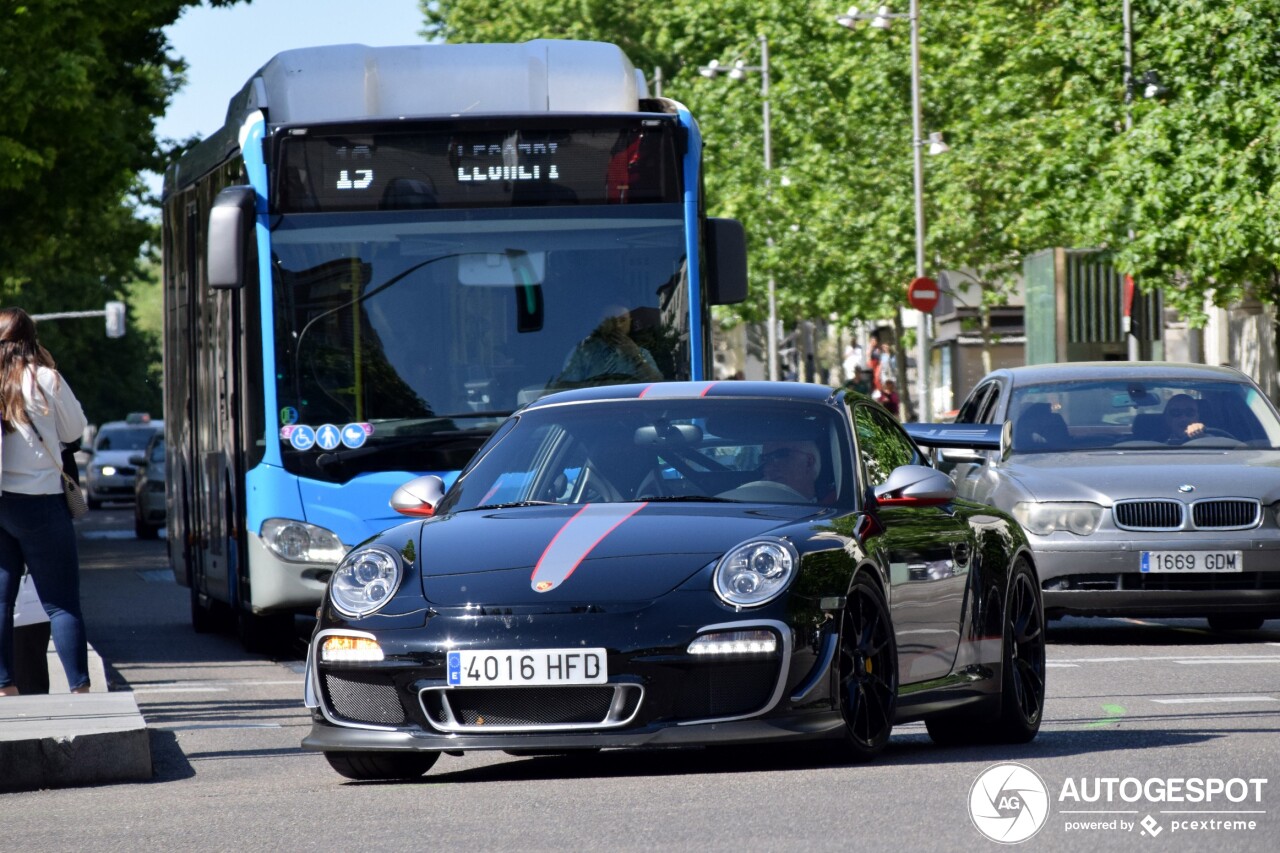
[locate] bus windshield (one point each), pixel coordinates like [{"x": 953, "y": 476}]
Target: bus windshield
[{"x": 428, "y": 327}]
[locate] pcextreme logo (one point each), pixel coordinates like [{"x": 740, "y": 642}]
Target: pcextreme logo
[{"x": 1009, "y": 803}]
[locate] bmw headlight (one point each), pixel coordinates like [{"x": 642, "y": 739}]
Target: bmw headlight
[
  {"x": 299, "y": 542},
  {"x": 755, "y": 572},
  {"x": 1045, "y": 517},
  {"x": 365, "y": 580}
]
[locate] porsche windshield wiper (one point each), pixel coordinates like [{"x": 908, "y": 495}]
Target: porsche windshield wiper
[
  {"x": 685, "y": 498},
  {"x": 513, "y": 504}
]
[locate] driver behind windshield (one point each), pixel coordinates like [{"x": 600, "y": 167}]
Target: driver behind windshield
[
  {"x": 795, "y": 464},
  {"x": 609, "y": 354},
  {"x": 1182, "y": 419}
]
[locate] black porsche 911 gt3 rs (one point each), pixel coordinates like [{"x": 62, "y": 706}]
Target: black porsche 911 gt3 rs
[{"x": 679, "y": 564}]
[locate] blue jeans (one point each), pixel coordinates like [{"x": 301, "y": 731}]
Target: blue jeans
[{"x": 36, "y": 530}]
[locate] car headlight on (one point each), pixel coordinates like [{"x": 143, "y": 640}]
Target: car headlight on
[
  {"x": 299, "y": 542},
  {"x": 755, "y": 572},
  {"x": 1045, "y": 517},
  {"x": 107, "y": 470},
  {"x": 365, "y": 580}
]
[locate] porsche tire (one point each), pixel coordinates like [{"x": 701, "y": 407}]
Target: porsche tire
[
  {"x": 367, "y": 766},
  {"x": 1236, "y": 623},
  {"x": 867, "y": 672}
]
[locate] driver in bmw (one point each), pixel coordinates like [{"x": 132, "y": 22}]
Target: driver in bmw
[{"x": 1182, "y": 418}]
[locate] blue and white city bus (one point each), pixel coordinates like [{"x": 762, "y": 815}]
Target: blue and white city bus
[{"x": 384, "y": 252}]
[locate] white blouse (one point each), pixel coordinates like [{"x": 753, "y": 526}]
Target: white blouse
[{"x": 26, "y": 467}]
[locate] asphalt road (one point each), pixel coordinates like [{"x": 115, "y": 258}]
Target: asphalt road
[{"x": 1184, "y": 720}]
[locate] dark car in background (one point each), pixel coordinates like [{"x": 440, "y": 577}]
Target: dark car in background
[
  {"x": 1146, "y": 489},
  {"x": 110, "y": 474},
  {"x": 148, "y": 489},
  {"x": 627, "y": 566}
]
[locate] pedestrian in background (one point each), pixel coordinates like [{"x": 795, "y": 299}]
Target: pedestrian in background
[
  {"x": 889, "y": 398},
  {"x": 40, "y": 413}
]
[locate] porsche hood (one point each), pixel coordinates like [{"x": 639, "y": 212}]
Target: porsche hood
[{"x": 590, "y": 552}]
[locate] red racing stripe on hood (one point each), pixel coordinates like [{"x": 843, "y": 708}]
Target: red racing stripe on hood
[
  {"x": 573, "y": 542},
  {"x": 681, "y": 389}
]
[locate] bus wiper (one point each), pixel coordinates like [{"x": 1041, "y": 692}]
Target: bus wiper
[{"x": 442, "y": 440}]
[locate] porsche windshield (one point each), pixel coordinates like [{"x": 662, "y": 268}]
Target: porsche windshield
[
  {"x": 1136, "y": 414},
  {"x": 763, "y": 451}
]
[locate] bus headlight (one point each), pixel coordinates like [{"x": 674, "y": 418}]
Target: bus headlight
[
  {"x": 299, "y": 542},
  {"x": 1045, "y": 517},
  {"x": 365, "y": 580},
  {"x": 755, "y": 572}
]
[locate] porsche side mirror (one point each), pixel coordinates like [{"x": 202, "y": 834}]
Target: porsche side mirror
[
  {"x": 915, "y": 485},
  {"x": 419, "y": 497}
]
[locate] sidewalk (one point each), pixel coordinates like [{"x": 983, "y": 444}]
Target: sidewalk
[{"x": 59, "y": 740}]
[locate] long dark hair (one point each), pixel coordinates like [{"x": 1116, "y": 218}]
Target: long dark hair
[{"x": 20, "y": 351}]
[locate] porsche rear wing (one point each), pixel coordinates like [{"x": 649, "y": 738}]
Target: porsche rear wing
[{"x": 957, "y": 436}]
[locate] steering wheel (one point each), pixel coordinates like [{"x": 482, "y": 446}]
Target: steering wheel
[{"x": 765, "y": 491}]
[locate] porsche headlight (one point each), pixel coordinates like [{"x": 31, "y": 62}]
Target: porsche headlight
[
  {"x": 755, "y": 572},
  {"x": 299, "y": 542},
  {"x": 1045, "y": 517},
  {"x": 365, "y": 580}
]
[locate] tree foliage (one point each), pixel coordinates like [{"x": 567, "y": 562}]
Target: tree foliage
[
  {"x": 82, "y": 83},
  {"x": 1031, "y": 97}
]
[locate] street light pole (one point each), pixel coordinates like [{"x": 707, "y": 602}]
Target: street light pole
[
  {"x": 738, "y": 71},
  {"x": 880, "y": 19},
  {"x": 917, "y": 161}
]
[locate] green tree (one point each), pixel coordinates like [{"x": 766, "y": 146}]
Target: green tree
[
  {"x": 1031, "y": 96},
  {"x": 82, "y": 83}
]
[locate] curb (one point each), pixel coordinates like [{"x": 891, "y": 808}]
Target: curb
[{"x": 59, "y": 740}]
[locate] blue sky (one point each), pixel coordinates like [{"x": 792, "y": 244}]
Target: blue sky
[{"x": 224, "y": 46}]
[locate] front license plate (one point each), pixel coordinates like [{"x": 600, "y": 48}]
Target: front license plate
[
  {"x": 527, "y": 667},
  {"x": 1192, "y": 561}
]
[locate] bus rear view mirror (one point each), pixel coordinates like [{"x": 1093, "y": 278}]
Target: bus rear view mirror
[
  {"x": 502, "y": 269},
  {"x": 230, "y": 227},
  {"x": 726, "y": 261}
]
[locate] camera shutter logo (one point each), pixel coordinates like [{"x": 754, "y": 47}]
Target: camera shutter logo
[{"x": 1009, "y": 803}]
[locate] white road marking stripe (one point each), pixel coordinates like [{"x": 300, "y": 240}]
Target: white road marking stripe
[
  {"x": 193, "y": 726},
  {"x": 1177, "y": 658},
  {"x": 1199, "y": 699},
  {"x": 1063, "y": 664},
  {"x": 141, "y": 690}
]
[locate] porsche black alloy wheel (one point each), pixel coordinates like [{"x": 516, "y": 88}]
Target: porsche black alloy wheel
[
  {"x": 868, "y": 669},
  {"x": 381, "y": 765},
  {"x": 1022, "y": 674},
  {"x": 1022, "y": 687}
]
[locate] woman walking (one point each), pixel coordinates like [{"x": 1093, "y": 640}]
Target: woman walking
[{"x": 40, "y": 413}]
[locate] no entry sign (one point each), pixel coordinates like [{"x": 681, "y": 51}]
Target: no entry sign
[{"x": 922, "y": 293}]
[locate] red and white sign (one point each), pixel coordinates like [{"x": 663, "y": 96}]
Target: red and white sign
[{"x": 922, "y": 293}]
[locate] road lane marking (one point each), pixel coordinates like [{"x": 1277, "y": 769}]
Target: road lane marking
[
  {"x": 1175, "y": 658},
  {"x": 1198, "y": 699},
  {"x": 193, "y": 726}
]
